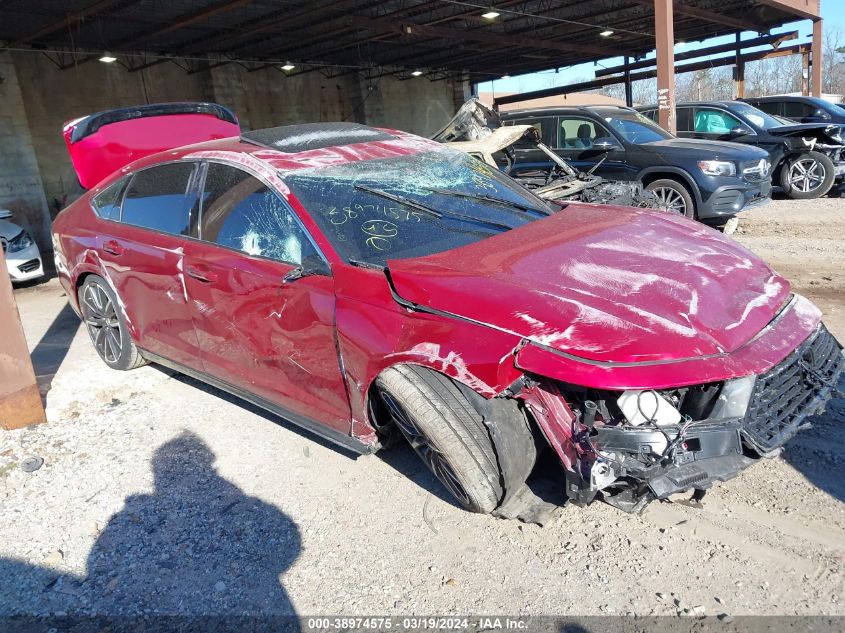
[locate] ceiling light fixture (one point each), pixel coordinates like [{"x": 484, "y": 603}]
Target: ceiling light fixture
[
  {"x": 417, "y": 73},
  {"x": 288, "y": 66},
  {"x": 108, "y": 58},
  {"x": 490, "y": 15},
  {"x": 606, "y": 33}
]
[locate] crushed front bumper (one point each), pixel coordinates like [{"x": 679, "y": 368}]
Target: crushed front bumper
[{"x": 635, "y": 467}]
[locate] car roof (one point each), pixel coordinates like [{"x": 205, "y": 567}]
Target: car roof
[
  {"x": 293, "y": 147},
  {"x": 599, "y": 107},
  {"x": 725, "y": 103}
]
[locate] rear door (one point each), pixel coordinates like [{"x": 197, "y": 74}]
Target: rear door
[
  {"x": 577, "y": 136},
  {"x": 258, "y": 332},
  {"x": 141, "y": 255}
]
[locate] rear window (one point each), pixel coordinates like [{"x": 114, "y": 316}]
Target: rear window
[{"x": 157, "y": 198}]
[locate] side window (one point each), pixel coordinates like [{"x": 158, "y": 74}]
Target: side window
[
  {"x": 106, "y": 204},
  {"x": 769, "y": 107},
  {"x": 797, "y": 110},
  {"x": 710, "y": 121},
  {"x": 157, "y": 198},
  {"x": 650, "y": 114},
  {"x": 683, "y": 119},
  {"x": 241, "y": 212},
  {"x": 546, "y": 126},
  {"x": 579, "y": 133}
]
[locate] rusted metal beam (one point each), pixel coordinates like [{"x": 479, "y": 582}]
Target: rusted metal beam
[
  {"x": 20, "y": 398},
  {"x": 774, "y": 40},
  {"x": 66, "y": 22},
  {"x": 817, "y": 52},
  {"x": 809, "y": 9},
  {"x": 710, "y": 16},
  {"x": 664, "y": 31},
  {"x": 583, "y": 86}
]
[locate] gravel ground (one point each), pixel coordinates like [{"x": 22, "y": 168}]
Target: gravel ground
[{"x": 160, "y": 495}]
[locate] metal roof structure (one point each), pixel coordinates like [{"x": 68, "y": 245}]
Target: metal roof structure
[{"x": 438, "y": 38}]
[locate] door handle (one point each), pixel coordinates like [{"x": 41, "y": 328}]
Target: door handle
[
  {"x": 201, "y": 274},
  {"x": 113, "y": 247}
]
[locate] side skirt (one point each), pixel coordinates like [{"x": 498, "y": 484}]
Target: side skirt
[{"x": 346, "y": 441}]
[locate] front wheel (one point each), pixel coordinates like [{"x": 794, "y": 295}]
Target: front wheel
[
  {"x": 807, "y": 176},
  {"x": 446, "y": 431},
  {"x": 672, "y": 196},
  {"x": 106, "y": 325}
]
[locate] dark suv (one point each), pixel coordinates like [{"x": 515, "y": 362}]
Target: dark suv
[
  {"x": 800, "y": 109},
  {"x": 710, "y": 180},
  {"x": 807, "y": 158}
]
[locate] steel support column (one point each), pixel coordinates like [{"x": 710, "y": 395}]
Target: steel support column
[
  {"x": 20, "y": 399},
  {"x": 664, "y": 33},
  {"x": 629, "y": 92},
  {"x": 818, "y": 58},
  {"x": 739, "y": 70}
]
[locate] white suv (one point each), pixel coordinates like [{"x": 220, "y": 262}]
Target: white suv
[{"x": 22, "y": 257}]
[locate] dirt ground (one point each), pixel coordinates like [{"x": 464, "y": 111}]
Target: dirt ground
[{"x": 158, "y": 494}]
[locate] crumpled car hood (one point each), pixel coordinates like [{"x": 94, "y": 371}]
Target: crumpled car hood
[
  {"x": 821, "y": 131},
  {"x": 610, "y": 284}
]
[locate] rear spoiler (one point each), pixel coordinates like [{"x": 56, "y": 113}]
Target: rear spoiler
[{"x": 102, "y": 143}]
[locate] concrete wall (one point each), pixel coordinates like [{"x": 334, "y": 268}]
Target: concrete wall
[
  {"x": 38, "y": 98},
  {"x": 21, "y": 188}
]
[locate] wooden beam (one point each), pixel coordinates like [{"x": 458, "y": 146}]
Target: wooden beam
[{"x": 664, "y": 31}]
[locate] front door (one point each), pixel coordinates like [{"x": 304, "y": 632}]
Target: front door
[
  {"x": 577, "y": 136},
  {"x": 258, "y": 331}
]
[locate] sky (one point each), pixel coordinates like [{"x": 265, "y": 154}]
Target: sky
[{"x": 833, "y": 12}]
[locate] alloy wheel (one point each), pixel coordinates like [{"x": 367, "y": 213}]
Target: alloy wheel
[
  {"x": 427, "y": 452},
  {"x": 102, "y": 322},
  {"x": 670, "y": 199},
  {"x": 806, "y": 174}
]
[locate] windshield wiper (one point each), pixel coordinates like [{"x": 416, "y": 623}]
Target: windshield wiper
[
  {"x": 491, "y": 199},
  {"x": 395, "y": 197}
]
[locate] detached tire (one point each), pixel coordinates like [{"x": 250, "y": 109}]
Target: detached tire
[
  {"x": 106, "y": 325},
  {"x": 672, "y": 196},
  {"x": 446, "y": 431},
  {"x": 807, "y": 176}
]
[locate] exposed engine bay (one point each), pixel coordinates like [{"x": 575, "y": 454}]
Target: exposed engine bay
[
  {"x": 632, "y": 447},
  {"x": 478, "y": 131}
]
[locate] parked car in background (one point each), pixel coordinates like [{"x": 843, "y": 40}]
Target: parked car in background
[
  {"x": 807, "y": 158},
  {"x": 23, "y": 260},
  {"x": 800, "y": 109},
  {"x": 367, "y": 283},
  {"x": 708, "y": 180}
]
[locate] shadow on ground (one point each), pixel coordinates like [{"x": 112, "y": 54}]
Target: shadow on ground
[
  {"x": 195, "y": 546},
  {"x": 817, "y": 452},
  {"x": 51, "y": 350}
]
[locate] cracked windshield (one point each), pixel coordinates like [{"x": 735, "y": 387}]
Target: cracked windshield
[{"x": 412, "y": 206}]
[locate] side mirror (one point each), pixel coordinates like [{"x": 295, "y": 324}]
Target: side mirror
[
  {"x": 5, "y": 214},
  {"x": 311, "y": 265},
  {"x": 739, "y": 130},
  {"x": 606, "y": 144}
]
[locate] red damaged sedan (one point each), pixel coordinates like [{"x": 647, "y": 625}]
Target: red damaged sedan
[{"x": 369, "y": 284}]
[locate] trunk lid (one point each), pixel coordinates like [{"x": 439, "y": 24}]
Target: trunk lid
[
  {"x": 102, "y": 143},
  {"x": 607, "y": 284}
]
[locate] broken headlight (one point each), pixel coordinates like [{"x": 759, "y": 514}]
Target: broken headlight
[
  {"x": 734, "y": 398},
  {"x": 20, "y": 242}
]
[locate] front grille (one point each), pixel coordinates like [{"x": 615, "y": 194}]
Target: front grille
[
  {"x": 791, "y": 391},
  {"x": 28, "y": 267},
  {"x": 756, "y": 170}
]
